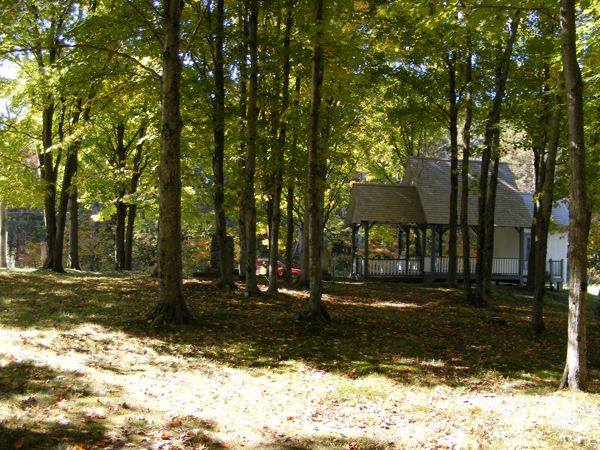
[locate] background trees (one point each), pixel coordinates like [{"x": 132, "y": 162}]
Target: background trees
[{"x": 392, "y": 80}]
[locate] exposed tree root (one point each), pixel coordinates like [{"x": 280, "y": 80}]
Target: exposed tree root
[
  {"x": 169, "y": 314},
  {"x": 320, "y": 316}
]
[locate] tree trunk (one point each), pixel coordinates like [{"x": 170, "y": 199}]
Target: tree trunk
[
  {"x": 289, "y": 238},
  {"x": 48, "y": 174},
  {"x": 171, "y": 307},
  {"x": 464, "y": 205},
  {"x": 74, "y": 229},
  {"x": 121, "y": 216},
  {"x": 225, "y": 270},
  {"x": 485, "y": 243},
  {"x": 304, "y": 279},
  {"x": 249, "y": 200},
  {"x": 280, "y": 153},
  {"x": 131, "y": 213},
  {"x": 243, "y": 21},
  {"x": 316, "y": 178},
  {"x": 544, "y": 212},
  {"x": 575, "y": 373},
  {"x": 3, "y": 235},
  {"x": 453, "y": 203}
]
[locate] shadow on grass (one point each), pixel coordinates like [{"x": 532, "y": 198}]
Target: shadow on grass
[
  {"x": 421, "y": 334},
  {"x": 31, "y": 391}
]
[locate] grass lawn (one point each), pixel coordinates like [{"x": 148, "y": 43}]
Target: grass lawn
[{"x": 402, "y": 366}]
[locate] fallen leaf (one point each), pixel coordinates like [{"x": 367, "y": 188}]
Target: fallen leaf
[
  {"x": 165, "y": 436},
  {"x": 20, "y": 442}
]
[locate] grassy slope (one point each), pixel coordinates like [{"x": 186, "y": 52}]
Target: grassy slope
[{"x": 403, "y": 366}]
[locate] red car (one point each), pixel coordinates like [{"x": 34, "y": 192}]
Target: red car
[{"x": 262, "y": 263}]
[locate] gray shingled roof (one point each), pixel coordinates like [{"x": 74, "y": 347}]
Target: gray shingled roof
[
  {"x": 383, "y": 203},
  {"x": 560, "y": 210},
  {"x": 431, "y": 179}
]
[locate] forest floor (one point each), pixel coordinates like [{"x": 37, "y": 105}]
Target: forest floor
[{"x": 401, "y": 366}]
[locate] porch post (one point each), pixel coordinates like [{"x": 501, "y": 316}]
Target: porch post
[
  {"x": 406, "y": 255},
  {"x": 433, "y": 249},
  {"x": 423, "y": 247},
  {"x": 365, "y": 225},
  {"x": 521, "y": 254},
  {"x": 353, "y": 250},
  {"x": 399, "y": 246}
]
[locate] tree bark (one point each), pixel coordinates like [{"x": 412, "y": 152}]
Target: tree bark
[
  {"x": 486, "y": 212},
  {"x": 289, "y": 238},
  {"x": 464, "y": 204},
  {"x": 74, "y": 229},
  {"x": 70, "y": 170},
  {"x": 171, "y": 307},
  {"x": 316, "y": 177},
  {"x": 243, "y": 21},
  {"x": 575, "y": 373},
  {"x": 280, "y": 153},
  {"x": 225, "y": 265},
  {"x": 544, "y": 212},
  {"x": 3, "y": 235},
  {"x": 249, "y": 200},
  {"x": 48, "y": 174},
  {"x": 453, "y": 203}
]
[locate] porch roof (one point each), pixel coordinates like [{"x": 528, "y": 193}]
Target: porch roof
[
  {"x": 431, "y": 176},
  {"x": 381, "y": 203},
  {"x": 423, "y": 197}
]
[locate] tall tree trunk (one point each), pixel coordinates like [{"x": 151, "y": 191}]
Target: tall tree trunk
[
  {"x": 464, "y": 198},
  {"x": 74, "y": 229},
  {"x": 304, "y": 279},
  {"x": 575, "y": 373},
  {"x": 251, "y": 145},
  {"x": 139, "y": 164},
  {"x": 544, "y": 212},
  {"x": 453, "y": 204},
  {"x": 48, "y": 173},
  {"x": 70, "y": 170},
  {"x": 121, "y": 216},
  {"x": 3, "y": 235},
  {"x": 129, "y": 234},
  {"x": 539, "y": 154},
  {"x": 485, "y": 243},
  {"x": 225, "y": 263},
  {"x": 289, "y": 238},
  {"x": 249, "y": 200},
  {"x": 244, "y": 32},
  {"x": 316, "y": 177},
  {"x": 171, "y": 306},
  {"x": 280, "y": 153}
]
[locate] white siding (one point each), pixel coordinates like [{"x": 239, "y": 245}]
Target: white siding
[{"x": 506, "y": 242}]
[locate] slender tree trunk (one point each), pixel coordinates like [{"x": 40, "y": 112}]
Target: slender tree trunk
[
  {"x": 171, "y": 305},
  {"x": 48, "y": 173},
  {"x": 3, "y": 235},
  {"x": 121, "y": 207},
  {"x": 575, "y": 373},
  {"x": 304, "y": 279},
  {"x": 316, "y": 177},
  {"x": 74, "y": 229},
  {"x": 129, "y": 234},
  {"x": 225, "y": 263},
  {"x": 464, "y": 202},
  {"x": 139, "y": 164},
  {"x": 453, "y": 204},
  {"x": 244, "y": 32},
  {"x": 249, "y": 200},
  {"x": 485, "y": 243},
  {"x": 289, "y": 238},
  {"x": 280, "y": 152},
  {"x": 544, "y": 212}
]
